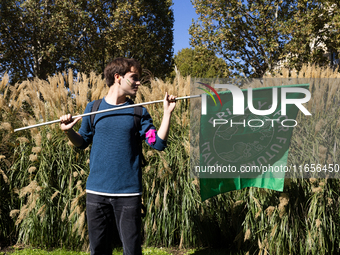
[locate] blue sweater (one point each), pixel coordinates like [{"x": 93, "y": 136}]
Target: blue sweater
[{"x": 114, "y": 158}]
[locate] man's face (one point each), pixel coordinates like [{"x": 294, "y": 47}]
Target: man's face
[{"x": 130, "y": 82}]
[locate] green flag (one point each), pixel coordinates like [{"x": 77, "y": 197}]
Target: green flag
[{"x": 248, "y": 149}]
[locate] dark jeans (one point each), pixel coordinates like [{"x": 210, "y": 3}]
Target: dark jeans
[{"x": 102, "y": 212}]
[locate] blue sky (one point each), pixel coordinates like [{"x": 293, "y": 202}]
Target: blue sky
[{"x": 184, "y": 12}]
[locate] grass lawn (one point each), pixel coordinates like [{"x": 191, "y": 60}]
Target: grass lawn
[
  {"x": 146, "y": 251},
  {"x": 33, "y": 251}
]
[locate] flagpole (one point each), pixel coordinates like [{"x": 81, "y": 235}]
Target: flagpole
[{"x": 102, "y": 111}]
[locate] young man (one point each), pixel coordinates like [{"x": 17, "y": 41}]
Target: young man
[{"x": 114, "y": 185}]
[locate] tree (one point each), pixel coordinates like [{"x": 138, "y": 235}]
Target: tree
[
  {"x": 139, "y": 29},
  {"x": 200, "y": 63},
  {"x": 315, "y": 38},
  {"x": 254, "y": 36},
  {"x": 42, "y": 37}
]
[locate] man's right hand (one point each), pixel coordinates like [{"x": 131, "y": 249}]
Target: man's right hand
[{"x": 66, "y": 122}]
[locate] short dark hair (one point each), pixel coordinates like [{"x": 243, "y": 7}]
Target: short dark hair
[{"x": 120, "y": 66}]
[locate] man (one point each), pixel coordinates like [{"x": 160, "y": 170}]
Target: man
[{"x": 114, "y": 185}]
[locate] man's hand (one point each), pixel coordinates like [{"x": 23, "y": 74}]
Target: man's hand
[
  {"x": 169, "y": 103},
  {"x": 66, "y": 122}
]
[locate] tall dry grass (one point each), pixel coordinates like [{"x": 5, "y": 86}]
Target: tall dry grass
[
  {"x": 43, "y": 176},
  {"x": 47, "y": 173}
]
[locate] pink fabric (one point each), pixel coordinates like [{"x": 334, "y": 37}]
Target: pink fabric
[{"x": 151, "y": 135}]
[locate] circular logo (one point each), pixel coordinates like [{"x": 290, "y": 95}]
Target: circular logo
[{"x": 243, "y": 138}]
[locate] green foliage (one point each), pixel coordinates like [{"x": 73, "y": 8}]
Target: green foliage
[
  {"x": 200, "y": 63},
  {"x": 315, "y": 37},
  {"x": 255, "y": 36},
  {"x": 52, "y": 192},
  {"x": 39, "y": 38}
]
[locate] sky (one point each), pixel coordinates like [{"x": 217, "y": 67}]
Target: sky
[{"x": 184, "y": 12}]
